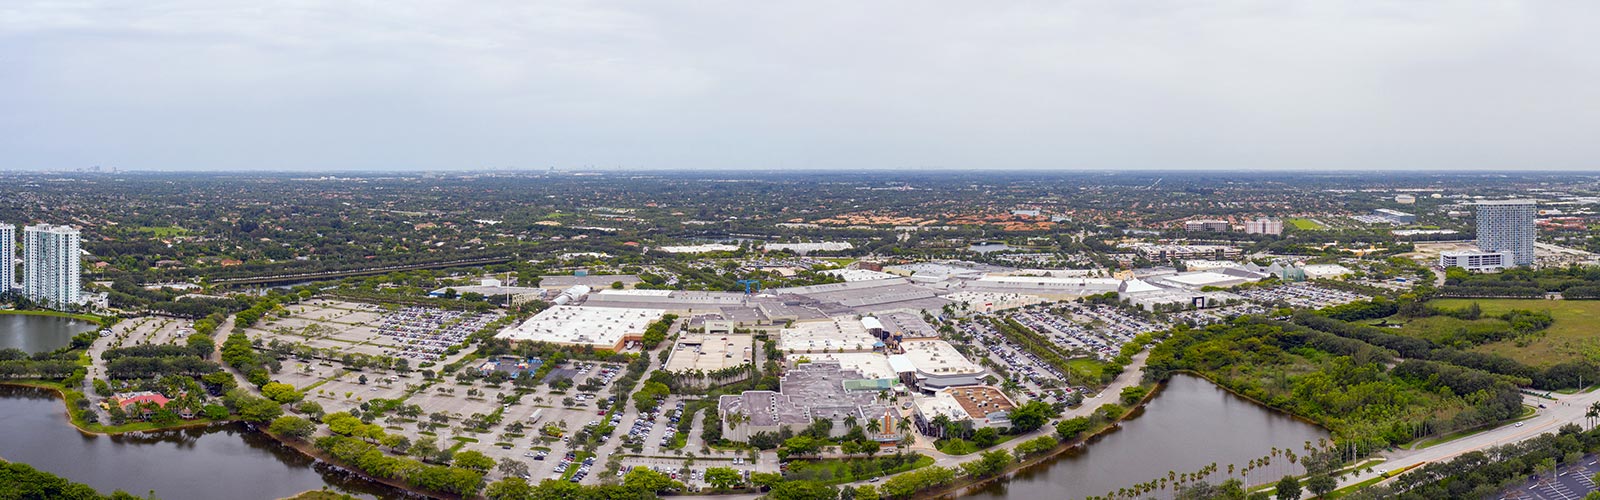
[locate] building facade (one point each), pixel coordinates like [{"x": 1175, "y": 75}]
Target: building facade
[
  {"x": 1264, "y": 226},
  {"x": 51, "y": 267},
  {"x": 1508, "y": 226},
  {"x": 8, "y": 255},
  {"x": 1212, "y": 226},
  {"x": 1477, "y": 261}
]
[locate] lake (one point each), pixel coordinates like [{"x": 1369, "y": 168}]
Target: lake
[
  {"x": 1190, "y": 424},
  {"x": 39, "y": 333},
  {"x": 225, "y": 461}
]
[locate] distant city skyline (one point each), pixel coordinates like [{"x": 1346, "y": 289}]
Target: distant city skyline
[{"x": 200, "y": 85}]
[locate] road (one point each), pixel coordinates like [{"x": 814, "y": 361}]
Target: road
[{"x": 1564, "y": 409}]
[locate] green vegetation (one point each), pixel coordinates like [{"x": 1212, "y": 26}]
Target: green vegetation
[
  {"x": 1340, "y": 383},
  {"x": 1087, "y": 373},
  {"x": 1484, "y": 474},
  {"x": 1569, "y": 337},
  {"x": 839, "y": 471},
  {"x": 21, "y": 481},
  {"x": 370, "y": 460},
  {"x": 1304, "y": 224}
]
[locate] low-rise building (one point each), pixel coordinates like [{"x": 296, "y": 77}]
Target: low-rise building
[
  {"x": 1478, "y": 261},
  {"x": 809, "y": 392},
  {"x": 983, "y": 406},
  {"x": 581, "y": 326}
]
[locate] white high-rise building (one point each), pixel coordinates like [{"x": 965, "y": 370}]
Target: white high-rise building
[
  {"x": 1507, "y": 226},
  {"x": 1263, "y": 226},
  {"x": 51, "y": 265},
  {"x": 8, "y": 257}
]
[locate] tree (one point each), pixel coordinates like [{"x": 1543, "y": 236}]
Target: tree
[
  {"x": 645, "y": 480},
  {"x": 1031, "y": 415},
  {"x": 281, "y": 392},
  {"x": 260, "y": 410},
  {"x": 867, "y": 492},
  {"x": 202, "y": 344},
  {"x": 312, "y": 408},
  {"x": 985, "y": 437},
  {"x": 989, "y": 463},
  {"x": 293, "y": 427},
  {"x": 723, "y": 478},
  {"x": 1072, "y": 427},
  {"x": 512, "y": 468},
  {"x": 424, "y": 447},
  {"x": 474, "y": 460},
  {"x": 511, "y": 488},
  {"x": 1321, "y": 484},
  {"x": 803, "y": 490},
  {"x": 1288, "y": 488}
]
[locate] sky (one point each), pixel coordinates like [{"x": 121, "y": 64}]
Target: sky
[{"x": 747, "y": 85}]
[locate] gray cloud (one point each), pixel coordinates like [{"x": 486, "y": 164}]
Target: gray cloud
[{"x": 209, "y": 84}]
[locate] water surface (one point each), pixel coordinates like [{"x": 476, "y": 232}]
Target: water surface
[
  {"x": 1190, "y": 424},
  {"x": 216, "y": 462},
  {"x": 39, "y": 333}
]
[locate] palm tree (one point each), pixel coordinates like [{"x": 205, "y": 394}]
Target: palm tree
[
  {"x": 850, "y": 421},
  {"x": 1594, "y": 413},
  {"x": 942, "y": 423},
  {"x": 873, "y": 426},
  {"x": 904, "y": 425}
]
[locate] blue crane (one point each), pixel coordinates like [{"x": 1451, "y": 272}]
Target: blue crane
[{"x": 749, "y": 283}]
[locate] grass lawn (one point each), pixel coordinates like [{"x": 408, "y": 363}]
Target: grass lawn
[
  {"x": 1440, "y": 329},
  {"x": 577, "y": 460},
  {"x": 1305, "y": 224},
  {"x": 1087, "y": 367},
  {"x": 1572, "y": 336},
  {"x": 163, "y": 231},
  {"x": 80, "y": 317}
]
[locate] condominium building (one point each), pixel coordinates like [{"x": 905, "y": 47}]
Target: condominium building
[
  {"x": 1206, "y": 225},
  {"x": 1263, "y": 226},
  {"x": 8, "y": 257},
  {"x": 51, "y": 265},
  {"x": 1507, "y": 225}
]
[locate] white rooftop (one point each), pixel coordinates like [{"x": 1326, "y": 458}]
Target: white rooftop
[{"x": 602, "y": 327}]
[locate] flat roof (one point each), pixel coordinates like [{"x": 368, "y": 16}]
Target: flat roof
[
  {"x": 592, "y": 281},
  {"x": 937, "y": 357},
  {"x": 710, "y": 352},
  {"x": 836, "y": 334},
  {"x": 980, "y": 401},
  {"x": 602, "y": 327},
  {"x": 868, "y": 364}
]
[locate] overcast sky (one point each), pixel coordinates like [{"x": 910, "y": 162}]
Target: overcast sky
[{"x": 1116, "y": 84}]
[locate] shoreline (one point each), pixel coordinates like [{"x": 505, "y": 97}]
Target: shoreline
[
  {"x": 90, "y": 318},
  {"x": 304, "y": 448},
  {"x": 957, "y": 489}
]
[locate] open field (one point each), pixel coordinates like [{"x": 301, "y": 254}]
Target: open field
[
  {"x": 1573, "y": 335},
  {"x": 1305, "y": 224}
]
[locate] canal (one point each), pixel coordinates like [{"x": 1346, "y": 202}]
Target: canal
[
  {"x": 39, "y": 333},
  {"x": 1189, "y": 425}
]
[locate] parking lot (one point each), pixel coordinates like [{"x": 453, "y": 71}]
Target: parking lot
[
  {"x": 1301, "y": 296},
  {"x": 151, "y": 330},
  {"x": 1570, "y": 482}
]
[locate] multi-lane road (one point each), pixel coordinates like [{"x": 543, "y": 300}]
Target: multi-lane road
[{"x": 1561, "y": 410}]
